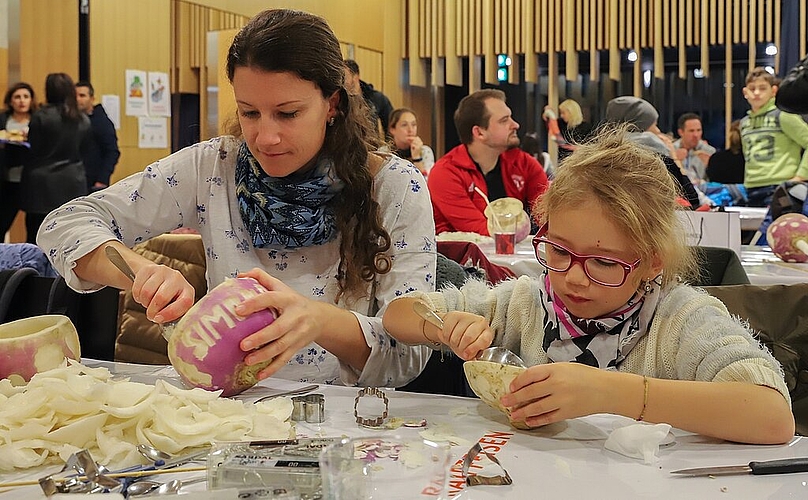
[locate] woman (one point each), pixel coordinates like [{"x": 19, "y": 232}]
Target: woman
[
  {"x": 53, "y": 172},
  {"x": 727, "y": 167},
  {"x": 19, "y": 102},
  {"x": 611, "y": 327},
  {"x": 404, "y": 132},
  {"x": 297, "y": 194},
  {"x": 570, "y": 130}
]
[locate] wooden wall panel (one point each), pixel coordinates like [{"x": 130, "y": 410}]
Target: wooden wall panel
[
  {"x": 143, "y": 42},
  {"x": 57, "y": 52}
]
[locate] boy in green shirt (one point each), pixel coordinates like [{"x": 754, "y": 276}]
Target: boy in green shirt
[{"x": 774, "y": 143}]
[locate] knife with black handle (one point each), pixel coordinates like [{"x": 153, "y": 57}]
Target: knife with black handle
[{"x": 758, "y": 468}]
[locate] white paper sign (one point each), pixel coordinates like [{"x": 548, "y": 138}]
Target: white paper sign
[
  {"x": 159, "y": 94},
  {"x": 136, "y": 93},
  {"x": 712, "y": 229},
  {"x": 152, "y": 132},
  {"x": 112, "y": 105}
]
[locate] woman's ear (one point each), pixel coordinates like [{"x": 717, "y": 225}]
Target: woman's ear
[{"x": 333, "y": 105}]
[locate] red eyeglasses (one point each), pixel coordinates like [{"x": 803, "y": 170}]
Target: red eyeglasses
[{"x": 606, "y": 271}]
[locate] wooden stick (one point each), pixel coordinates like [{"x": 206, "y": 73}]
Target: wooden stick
[{"x": 140, "y": 473}]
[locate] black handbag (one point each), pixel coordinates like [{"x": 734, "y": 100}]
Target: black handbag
[{"x": 792, "y": 94}]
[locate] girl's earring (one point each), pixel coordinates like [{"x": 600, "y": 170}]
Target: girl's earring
[
  {"x": 647, "y": 286},
  {"x": 331, "y": 121}
]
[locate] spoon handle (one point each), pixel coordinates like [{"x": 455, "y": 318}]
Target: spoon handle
[{"x": 295, "y": 392}]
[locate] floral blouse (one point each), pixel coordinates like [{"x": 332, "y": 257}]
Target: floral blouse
[{"x": 195, "y": 188}]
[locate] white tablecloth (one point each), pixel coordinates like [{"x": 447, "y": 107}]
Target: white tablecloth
[{"x": 565, "y": 460}]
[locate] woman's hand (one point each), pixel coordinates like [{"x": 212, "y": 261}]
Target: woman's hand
[
  {"x": 549, "y": 393},
  {"x": 298, "y": 322},
  {"x": 415, "y": 147},
  {"x": 163, "y": 291},
  {"x": 466, "y": 334}
]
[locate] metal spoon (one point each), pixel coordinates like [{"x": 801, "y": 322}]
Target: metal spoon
[
  {"x": 294, "y": 392},
  {"x": 141, "y": 487},
  {"x": 168, "y": 461},
  {"x": 426, "y": 313},
  {"x": 152, "y": 453},
  {"x": 500, "y": 355},
  {"x": 118, "y": 261},
  {"x": 168, "y": 488}
]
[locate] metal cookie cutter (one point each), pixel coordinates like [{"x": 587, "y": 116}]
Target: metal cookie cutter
[
  {"x": 309, "y": 408},
  {"x": 371, "y": 422},
  {"x": 475, "y": 479}
]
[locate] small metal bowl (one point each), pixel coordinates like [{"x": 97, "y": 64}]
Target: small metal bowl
[{"x": 502, "y": 356}]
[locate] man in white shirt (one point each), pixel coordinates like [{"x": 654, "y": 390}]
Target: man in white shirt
[{"x": 691, "y": 149}]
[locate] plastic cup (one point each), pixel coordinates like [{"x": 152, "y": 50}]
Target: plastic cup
[
  {"x": 385, "y": 467},
  {"x": 505, "y": 233}
]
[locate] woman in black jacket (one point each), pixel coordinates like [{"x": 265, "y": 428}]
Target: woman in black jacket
[
  {"x": 54, "y": 173},
  {"x": 19, "y": 103}
]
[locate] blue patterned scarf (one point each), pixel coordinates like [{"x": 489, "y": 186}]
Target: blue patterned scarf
[
  {"x": 602, "y": 342},
  {"x": 289, "y": 212}
]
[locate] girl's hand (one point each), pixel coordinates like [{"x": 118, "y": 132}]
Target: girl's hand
[
  {"x": 549, "y": 393},
  {"x": 299, "y": 321},
  {"x": 466, "y": 334},
  {"x": 163, "y": 291}
]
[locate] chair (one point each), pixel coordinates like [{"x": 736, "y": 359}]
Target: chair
[
  {"x": 443, "y": 373},
  {"x": 779, "y": 313},
  {"x": 24, "y": 293},
  {"x": 719, "y": 266}
]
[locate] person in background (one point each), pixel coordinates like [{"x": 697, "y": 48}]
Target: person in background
[
  {"x": 531, "y": 144},
  {"x": 298, "y": 199},
  {"x": 103, "y": 152},
  {"x": 792, "y": 94},
  {"x": 774, "y": 142},
  {"x": 404, "y": 133},
  {"x": 642, "y": 115},
  {"x": 691, "y": 150},
  {"x": 19, "y": 103},
  {"x": 380, "y": 106},
  {"x": 570, "y": 129},
  {"x": 53, "y": 173},
  {"x": 488, "y": 165},
  {"x": 727, "y": 166},
  {"x": 610, "y": 327}
]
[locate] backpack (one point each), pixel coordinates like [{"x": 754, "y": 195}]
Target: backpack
[{"x": 789, "y": 197}]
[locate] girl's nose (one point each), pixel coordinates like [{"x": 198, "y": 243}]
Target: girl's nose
[{"x": 576, "y": 275}]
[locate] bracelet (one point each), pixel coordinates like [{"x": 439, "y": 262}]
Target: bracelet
[
  {"x": 423, "y": 332},
  {"x": 416, "y": 160},
  {"x": 644, "y": 398},
  {"x": 371, "y": 422}
]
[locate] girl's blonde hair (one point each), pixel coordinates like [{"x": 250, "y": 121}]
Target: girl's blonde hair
[
  {"x": 573, "y": 109},
  {"x": 636, "y": 191}
]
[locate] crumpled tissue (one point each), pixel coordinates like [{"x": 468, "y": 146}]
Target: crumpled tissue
[{"x": 638, "y": 441}]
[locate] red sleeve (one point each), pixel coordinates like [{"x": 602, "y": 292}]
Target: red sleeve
[{"x": 453, "y": 205}]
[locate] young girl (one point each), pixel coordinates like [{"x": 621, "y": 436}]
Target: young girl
[{"x": 610, "y": 327}]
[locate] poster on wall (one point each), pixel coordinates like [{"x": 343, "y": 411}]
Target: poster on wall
[
  {"x": 136, "y": 93},
  {"x": 152, "y": 132},
  {"x": 159, "y": 94},
  {"x": 112, "y": 106}
]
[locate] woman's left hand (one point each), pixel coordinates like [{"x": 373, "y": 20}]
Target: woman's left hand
[
  {"x": 549, "y": 393},
  {"x": 298, "y": 323}
]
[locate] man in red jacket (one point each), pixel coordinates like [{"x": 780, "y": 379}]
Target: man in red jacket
[{"x": 488, "y": 163}]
